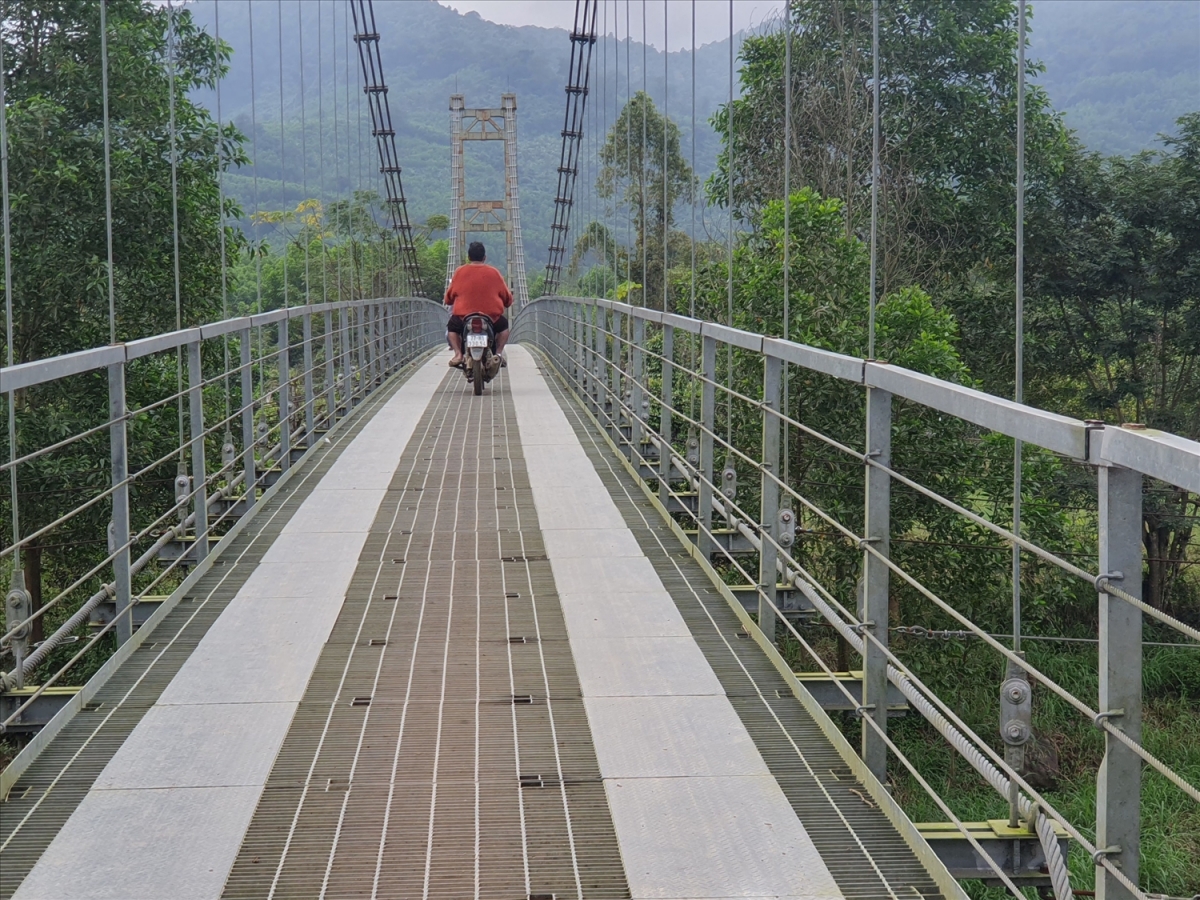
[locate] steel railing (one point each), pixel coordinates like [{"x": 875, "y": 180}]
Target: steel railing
[
  {"x": 346, "y": 351},
  {"x": 626, "y": 364}
]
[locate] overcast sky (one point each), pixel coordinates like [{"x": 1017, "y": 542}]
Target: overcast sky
[{"x": 712, "y": 16}]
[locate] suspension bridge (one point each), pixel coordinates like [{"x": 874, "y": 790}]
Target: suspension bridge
[{"x": 394, "y": 640}]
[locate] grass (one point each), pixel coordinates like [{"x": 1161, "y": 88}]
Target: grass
[{"x": 968, "y": 675}]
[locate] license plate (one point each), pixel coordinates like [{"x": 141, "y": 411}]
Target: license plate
[{"x": 477, "y": 340}]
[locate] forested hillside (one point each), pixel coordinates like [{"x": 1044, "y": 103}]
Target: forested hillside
[
  {"x": 1120, "y": 71},
  {"x": 429, "y": 52}
]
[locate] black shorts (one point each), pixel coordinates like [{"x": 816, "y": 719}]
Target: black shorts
[{"x": 455, "y": 325}]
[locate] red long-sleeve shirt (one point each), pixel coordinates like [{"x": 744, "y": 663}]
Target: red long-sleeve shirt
[{"x": 478, "y": 288}]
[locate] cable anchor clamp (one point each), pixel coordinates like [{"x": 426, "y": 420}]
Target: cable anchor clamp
[
  {"x": 1100, "y": 580},
  {"x": 1101, "y": 717},
  {"x": 1100, "y": 853}
]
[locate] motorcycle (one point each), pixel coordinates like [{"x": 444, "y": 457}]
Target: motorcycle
[{"x": 480, "y": 360}]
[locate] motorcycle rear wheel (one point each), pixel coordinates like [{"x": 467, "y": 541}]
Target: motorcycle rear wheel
[{"x": 477, "y": 381}]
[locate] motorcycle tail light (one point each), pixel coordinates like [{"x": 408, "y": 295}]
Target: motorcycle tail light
[{"x": 476, "y": 326}]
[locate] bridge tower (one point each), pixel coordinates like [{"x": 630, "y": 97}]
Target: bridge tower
[{"x": 467, "y": 216}]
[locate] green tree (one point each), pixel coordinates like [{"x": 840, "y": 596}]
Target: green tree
[
  {"x": 1115, "y": 317},
  {"x": 59, "y": 244},
  {"x": 643, "y": 168},
  {"x": 948, "y": 120}
]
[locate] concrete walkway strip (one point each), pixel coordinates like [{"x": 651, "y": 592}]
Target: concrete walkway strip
[
  {"x": 696, "y": 811},
  {"x": 166, "y": 817}
]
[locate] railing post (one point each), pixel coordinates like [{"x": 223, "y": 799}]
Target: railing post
[
  {"x": 599, "y": 317},
  {"x": 392, "y": 336},
  {"x": 1119, "y": 781},
  {"x": 614, "y": 381},
  {"x": 310, "y": 425},
  {"x": 199, "y": 470},
  {"x": 329, "y": 386},
  {"x": 636, "y": 428},
  {"x": 664, "y": 415},
  {"x": 285, "y": 400},
  {"x": 372, "y": 373},
  {"x": 708, "y": 408},
  {"x": 119, "y": 529},
  {"x": 346, "y": 344},
  {"x": 380, "y": 342},
  {"x": 248, "y": 419},
  {"x": 577, "y": 351},
  {"x": 360, "y": 319},
  {"x": 769, "y": 555},
  {"x": 873, "y": 612}
]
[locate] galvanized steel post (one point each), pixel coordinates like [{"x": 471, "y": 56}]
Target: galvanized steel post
[
  {"x": 199, "y": 470},
  {"x": 1119, "y": 781},
  {"x": 346, "y": 339},
  {"x": 310, "y": 425},
  {"x": 769, "y": 555},
  {"x": 578, "y": 354},
  {"x": 708, "y": 407},
  {"x": 664, "y": 415},
  {"x": 360, "y": 321},
  {"x": 373, "y": 344},
  {"x": 598, "y": 325},
  {"x": 614, "y": 381},
  {"x": 637, "y": 394},
  {"x": 285, "y": 401},
  {"x": 248, "y": 418},
  {"x": 119, "y": 529},
  {"x": 330, "y": 390},
  {"x": 873, "y": 612}
]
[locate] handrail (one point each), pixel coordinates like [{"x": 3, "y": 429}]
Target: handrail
[
  {"x": 602, "y": 349},
  {"x": 40, "y": 371},
  {"x": 361, "y": 344}
]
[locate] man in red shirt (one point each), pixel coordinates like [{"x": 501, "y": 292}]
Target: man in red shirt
[{"x": 477, "y": 288}]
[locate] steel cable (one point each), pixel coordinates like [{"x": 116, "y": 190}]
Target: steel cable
[
  {"x": 9, "y": 331},
  {"x": 905, "y": 682},
  {"x": 172, "y": 62},
  {"x": 892, "y": 566}
]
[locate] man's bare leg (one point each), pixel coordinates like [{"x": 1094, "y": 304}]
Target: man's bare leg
[
  {"x": 456, "y": 343},
  {"x": 501, "y": 340}
]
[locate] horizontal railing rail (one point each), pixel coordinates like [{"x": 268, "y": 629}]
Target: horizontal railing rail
[
  {"x": 627, "y": 364},
  {"x": 266, "y": 393}
]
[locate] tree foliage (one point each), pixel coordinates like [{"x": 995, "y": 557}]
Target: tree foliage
[
  {"x": 948, "y": 123},
  {"x": 643, "y": 168}
]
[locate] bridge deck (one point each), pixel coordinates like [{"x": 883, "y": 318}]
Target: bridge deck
[{"x": 458, "y": 654}]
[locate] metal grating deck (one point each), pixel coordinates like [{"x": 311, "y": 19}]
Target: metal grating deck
[
  {"x": 866, "y": 856},
  {"x": 441, "y": 748},
  {"x": 49, "y": 792}
]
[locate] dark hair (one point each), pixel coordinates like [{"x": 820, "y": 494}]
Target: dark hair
[{"x": 476, "y": 253}]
